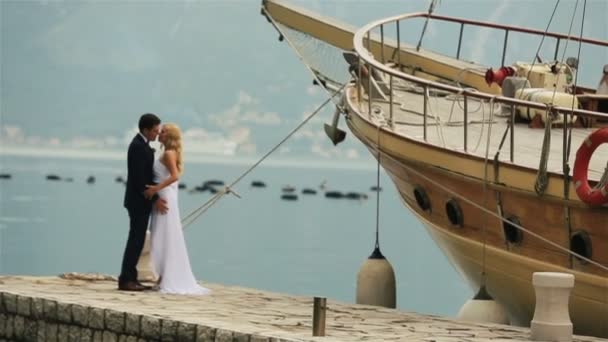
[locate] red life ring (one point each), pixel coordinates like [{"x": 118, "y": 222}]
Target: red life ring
[{"x": 584, "y": 191}]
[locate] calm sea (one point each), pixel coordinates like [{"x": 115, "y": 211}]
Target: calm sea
[{"x": 312, "y": 246}]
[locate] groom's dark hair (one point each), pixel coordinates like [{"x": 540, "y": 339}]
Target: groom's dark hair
[{"x": 148, "y": 121}]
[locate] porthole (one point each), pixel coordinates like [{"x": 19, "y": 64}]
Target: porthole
[
  {"x": 513, "y": 234},
  {"x": 452, "y": 209},
  {"x": 422, "y": 198},
  {"x": 580, "y": 243}
]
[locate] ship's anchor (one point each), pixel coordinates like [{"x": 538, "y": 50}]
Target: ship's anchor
[{"x": 335, "y": 134}]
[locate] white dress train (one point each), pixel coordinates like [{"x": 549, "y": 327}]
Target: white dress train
[{"x": 167, "y": 245}]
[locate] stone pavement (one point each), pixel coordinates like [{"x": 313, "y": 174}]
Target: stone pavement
[{"x": 95, "y": 310}]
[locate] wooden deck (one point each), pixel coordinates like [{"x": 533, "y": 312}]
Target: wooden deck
[{"x": 445, "y": 129}]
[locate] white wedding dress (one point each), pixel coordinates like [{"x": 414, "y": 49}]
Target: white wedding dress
[{"x": 167, "y": 245}]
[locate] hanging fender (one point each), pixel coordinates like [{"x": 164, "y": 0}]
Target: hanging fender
[
  {"x": 589, "y": 195},
  {"x": 335, "y": 134}
]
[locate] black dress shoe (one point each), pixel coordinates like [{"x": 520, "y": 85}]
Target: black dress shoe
[
  {"x": 130, "y": 286},
  {"x": 145, "y": 287}
]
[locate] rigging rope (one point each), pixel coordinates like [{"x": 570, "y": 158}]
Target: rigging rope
[
  {"x": 578, "y": 57},
  {"x": 313, "y": 63},
  {"x": 604, "y": 180},
  {"x": 377, "y": 245},
  {"x": 542, "y": 179},
  {"x": 196, "y": 213},
  {"x": 310, "y": 44},
  {"x": 540, "y": 45},
  {"x": 485, "y": 190},
  {"x": 426, "y": 22}
]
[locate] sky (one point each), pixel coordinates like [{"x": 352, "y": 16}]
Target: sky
[{"x": 77, "y": 74}]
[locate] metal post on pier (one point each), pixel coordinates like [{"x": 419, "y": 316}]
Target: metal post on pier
[{"x": 318, "y": 316}]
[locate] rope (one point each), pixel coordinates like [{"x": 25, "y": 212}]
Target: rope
[
  {"x": 502, "y": 142},
  {"x": 540, "y": 45},
  {"x": 485, "y": 189},
  {"x": 491, "y": 213},
  {"x": 438, "y": 125},
  {"x": 580, "y": 44},
  {"x": 377, "y": 245},
  {"x": 578, "y": 56},
  {"x": 542, "y": 180},
  {"x": 565, "y": 49},
  {"x": 426, "y": 22},
  {"x": 303, "y": 60},
  {"x": 604, "y": 180},
  {"x": 190, "y": 218},
  {"x": 196, "y": 213}
]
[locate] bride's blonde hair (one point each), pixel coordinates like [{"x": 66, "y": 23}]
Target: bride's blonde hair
[{"x": 173, "y": 141}]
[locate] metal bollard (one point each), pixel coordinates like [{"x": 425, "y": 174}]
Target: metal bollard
[{"x": 318, "y": 316}]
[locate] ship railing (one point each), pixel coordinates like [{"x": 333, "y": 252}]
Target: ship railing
[
  {"x": 507, "y": 29},
  {"x": 364, "y": 43}
]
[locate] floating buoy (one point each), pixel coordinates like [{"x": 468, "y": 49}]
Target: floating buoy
[
  {"x": 258, "y": 184},
  {"x": 288, "y": 188},
  {"x": 309, "y": 191},
  {"x": 376, "y": 282},
  {"x": 91, "y": 179},
  {"x": 289, "y": 197},
  {"x": 353, "y": 195},
  {"x": 53, "y": 177},
  {"x": 334, "y": 194},
  {"x": 201, "y": 188},
  {"x": 181, "y": 186},
  {"x": 5, "y": 176},
  {"x": 484, "y": 309},
  {"x": 375, "y": 188},
  {"x": 214, "y": 182},
  {"x": 119, "y": 179}
]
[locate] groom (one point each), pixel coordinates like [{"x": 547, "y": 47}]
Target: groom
[{"x": 140, "y": 160}]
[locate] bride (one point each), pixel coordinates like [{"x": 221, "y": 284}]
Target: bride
[{"x": 167, "y": 245}]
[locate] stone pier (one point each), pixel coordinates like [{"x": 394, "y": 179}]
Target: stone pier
[{"x": 92, "y": 309}]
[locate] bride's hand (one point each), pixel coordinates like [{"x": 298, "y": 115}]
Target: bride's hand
[{"x": 150, "y": 191}]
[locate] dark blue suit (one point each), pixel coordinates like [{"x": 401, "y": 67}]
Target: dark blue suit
[{"x": 140, "y": 160}]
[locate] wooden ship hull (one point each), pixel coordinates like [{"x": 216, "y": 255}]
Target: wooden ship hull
[
  {"x": 494, "y": 191},
  {"x": 473, "y": 250}
]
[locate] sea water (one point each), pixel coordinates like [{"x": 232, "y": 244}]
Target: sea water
[{"x": 313, "y": 246}]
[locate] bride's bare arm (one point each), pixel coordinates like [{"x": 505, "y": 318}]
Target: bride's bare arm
[{"x": 169, "y": 159}]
